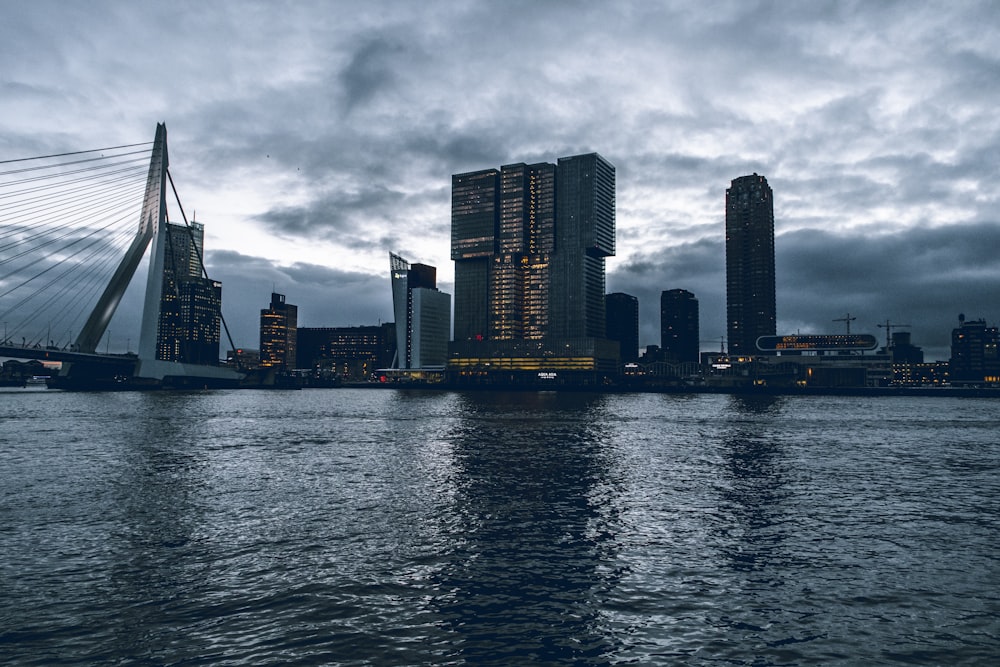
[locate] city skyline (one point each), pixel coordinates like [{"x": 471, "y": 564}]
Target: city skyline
[{"x": 328, "y": 140}]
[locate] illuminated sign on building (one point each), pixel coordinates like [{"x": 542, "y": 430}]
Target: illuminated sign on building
[{"x": 817, "y": 342}]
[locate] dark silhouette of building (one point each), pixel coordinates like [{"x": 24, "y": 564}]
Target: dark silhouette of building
[
  {"x": 188, "y": 328},
  {"x": 279, "y": 334},
  {"x": 750, "y": 277},
  {"x": 622, "y": 312},
  {"x": 903, "y": 351},
  {"x": 349, "y": 353},
  {"x": 974, "y": 357},
  {"x": 679, "y": 333}
]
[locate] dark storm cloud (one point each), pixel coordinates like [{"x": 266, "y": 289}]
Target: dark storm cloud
[
  {"x": 920, "y": 277},
  {"x": 326, "y": 297},
  {"x": 337, "y": 126}
]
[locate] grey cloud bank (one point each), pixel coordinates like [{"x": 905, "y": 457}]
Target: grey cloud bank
[{"x": 313, "y": 138}]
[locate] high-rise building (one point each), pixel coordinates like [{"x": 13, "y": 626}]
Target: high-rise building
[
  {"x": 679, "y": 332},
  {"x": 622, "y": 317},
  {"x": 750, "y": 276},
  {"x": 529, "y": 243},
  {"x": 423, "y": 316},
  {"x": 475, "y": 210},
  {"x": 585, "y": 236},
  {"x": 975, "y": 353},
  {"x": 279, "y": 325},
  {"x": 188, "y": 328}
]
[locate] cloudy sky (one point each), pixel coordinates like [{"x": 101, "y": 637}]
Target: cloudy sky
[{"x": 312, "y": 138}]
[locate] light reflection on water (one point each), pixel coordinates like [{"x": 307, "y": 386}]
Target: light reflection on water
[{"x": 408, "y": 527}]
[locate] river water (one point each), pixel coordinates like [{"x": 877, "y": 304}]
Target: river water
[{"x": 385, "y": 527}]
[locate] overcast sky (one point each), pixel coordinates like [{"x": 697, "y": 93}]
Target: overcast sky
[{"x": 312, "y": 138}]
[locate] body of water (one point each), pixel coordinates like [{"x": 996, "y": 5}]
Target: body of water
[{"x": 390, "y": 527}]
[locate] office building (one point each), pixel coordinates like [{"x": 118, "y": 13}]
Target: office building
[
  {"x": 279, "y": 334},
  {"x": 974, "y": 353},
  {"x": 679, "y": 333},
  {"x": 622, "y": 324},
  {"x": 423, "y": 316},
  {"x": 188, "y": 325},
  {"x": 347, "y": 353},
  {"x": 475, "y": 210},
  {"x": 750, "y": 277},
  {"x": 529, "y": 242}
]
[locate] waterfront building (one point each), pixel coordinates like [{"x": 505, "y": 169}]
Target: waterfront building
[
  {"x": 423, "y": 316},
  {"x": 622, "y": 323},
  {"x": 750, "y": 274},
  {"x": 188, "y": 325},
  {"x": 475, "y": 209},
  {"x": 279, "y": 334},
  {"x": 679, "y": 331},
  {"x": 529, "y": 242},
  {"x": 974, "y": 353},
  {"x": 347, "y": 353}
]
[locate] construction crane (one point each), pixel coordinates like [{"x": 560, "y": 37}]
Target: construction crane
[
  {"x": 889, "y": 326},
  {"x": 847, "y": 319}
]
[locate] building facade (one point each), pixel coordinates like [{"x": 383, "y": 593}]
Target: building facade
[
  {"x": 679, "y": 330},
  {"x": 279, "y": 334},
  {"x": 347, "y": 353},
  {"x": 188, "y": 326},
  {"x": 529, "y": 242},
  {"x": 975, "y": 359},
  {"x": 423, "y": 316},
  {"x": 750, "y": 274},
  {"x": 622, "y": 324}
]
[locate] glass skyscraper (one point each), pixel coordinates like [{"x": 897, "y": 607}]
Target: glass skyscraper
[
  {"x": 188, "y": 325},
  {"x": 529, "y": 244},
  {"x": 750, "y": 300}
]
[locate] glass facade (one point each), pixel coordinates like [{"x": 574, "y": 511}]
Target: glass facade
[
  {"x": 279, "y": 334},
  {"x": 188, "y": 326}
]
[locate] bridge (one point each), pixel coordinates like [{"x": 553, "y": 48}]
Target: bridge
[{"x": 69, "y": 249}]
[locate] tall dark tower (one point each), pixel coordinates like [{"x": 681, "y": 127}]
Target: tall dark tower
[
  {"x": 622, "y": 312},
  {"x": 679, "y": 326},
  {"x": 585, "y": 236},
  {"x": 475, "y": 215},
  {"x": 750, "y": 302}
]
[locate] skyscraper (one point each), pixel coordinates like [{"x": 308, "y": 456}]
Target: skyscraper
[
  {"x": 679, "y": 333},
  {"x": 279, "y": 334},
  {"x": 750, "y": 300},
  {"x": 423, "y": 315},
  {"x": 622, "y": 311},
  {"x": 190, "y": 304},
  {"x": 529, "y": 244},
  {"x": 475, "y": 209}
]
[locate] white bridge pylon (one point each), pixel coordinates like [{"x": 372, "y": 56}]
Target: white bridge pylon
[{"x": 152, "y": 230}]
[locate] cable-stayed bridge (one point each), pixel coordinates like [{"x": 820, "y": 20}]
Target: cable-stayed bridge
[{"x": 70, "y": 247}]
